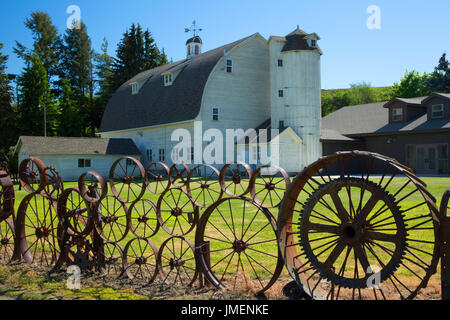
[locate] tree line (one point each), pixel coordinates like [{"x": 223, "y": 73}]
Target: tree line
[
  {"x": 412, "y": 84},
  {"x": 65, "y": 77}
]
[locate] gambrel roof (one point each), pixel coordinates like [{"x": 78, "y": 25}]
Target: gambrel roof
[{"x": 156, "y": 104}]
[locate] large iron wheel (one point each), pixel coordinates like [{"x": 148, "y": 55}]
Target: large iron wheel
[
  {"x": 36, "y": 230},
  {"x": 269, "y": 183},
  {"x": 143, "y": 219},
  {"x": 75, "y": 212},
  {"x": 6, "y": 240},
  {"x": 109, "y": 258},
  {"x": 54, "y": 184},
  {"x": 178, "y": 174},
  {"x": 176, "y": 262},
  {"x": 237, "y": 244},
  {"x": 177, "y": 213},
  {"x": 371, "y": 235},
  {"x": 127, "y": 179},
  {"x": 6, "y": 195},
  {"x": 113, "y": 219},
  {"x": 92, "y": 186},
  {"x": 32, "y": 175},
  {"x": 203, "y": 185},
  {"x": 235, "y": 178},
  {"x": 158, "y": 177},
  {"x": 139, "y": 260}
]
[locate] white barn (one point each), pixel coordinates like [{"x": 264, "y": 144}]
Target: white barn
[
  {"x": 250, "y": 83},
  {"x": 72, "y": 157}
]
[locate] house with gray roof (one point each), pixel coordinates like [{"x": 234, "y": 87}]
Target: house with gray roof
[
  {"x": 415, "y": 131},
  {"x": 72, "y": 157},
  {"x": 239, "y": 85}
]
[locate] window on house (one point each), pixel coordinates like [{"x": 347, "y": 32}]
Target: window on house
[
  {"x": 229, "y": 66},
  {"x": 216, "y": 114},
  {"x": 313, "y": 43},
  {"x": 84, "y": 163},
  {"x": 443, "y": 158},
  {"x": 134, "y": 88},
  {"x": 280, "y": 62},
  {"x": 149, "y": 155},
  {"x": 437, "y": 111},
  {"x": 168, "y": 79},
  {"x": 397, "y": 114},
  {"x": 280, "y": 93},
  {"x": 162, "y": 155},
  {"x": 190, "y": 152}
]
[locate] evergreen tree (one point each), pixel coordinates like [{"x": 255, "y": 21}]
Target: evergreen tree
[
  {"x": 439, "y": 80},
  {"x": 34, "y": 95},
  {"x": 8, "y": 118},
  {"x": 69, "y": 119},
  {"x": 136, "y": 52},
  {"x": 46, "y": 43},
  {"x": 77, "y": 65},
  {"x": 104, "y": 72}
]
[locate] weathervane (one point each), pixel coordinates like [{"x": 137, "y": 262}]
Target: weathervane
[{"x": 194, "y": 29}]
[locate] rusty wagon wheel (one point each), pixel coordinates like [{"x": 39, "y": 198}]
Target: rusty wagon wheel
[
  {"x": 143, "y": 218},
  {"x": 76, "y": 249},
  {"x": 113, "y": 220},
  {"x": 235, "y": 178},
  {"x": 32, "y": 175},
  {"x": 176, "y": 262},
  {"x": 36, "y": 230},
  {"x": 54, "y": 184},
  {"x": 127, "y": 179},
  {"x": 92, "y": 186},
  {"x": 445, "y": 204},
  {"x": 177, "y": 213},
  {"x": 6, "y": 195},
  {"x": 237, "y": 245},
  {"x": 75, "y": 212},
  {"x": 203, "y": 185},
  {"x": 368, "y": 233},
  {"x": 268, "y": 185},
  {"x": 139, "y": 260},
  {"x": 109, "y": 259},
  {"x": 158, "y": 177},
  {"x": 7, "y": 236},
  {"x": 178, "y": 174}
]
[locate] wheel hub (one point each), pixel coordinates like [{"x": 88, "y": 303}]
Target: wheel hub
[
  {"x": 4, "y": 241},
  {"x": 110, "y": 219},
  {"x": 176, "y": 212},
  {"x": 270, "y": 186},
  {"x": 141, "y": 261},
  {"x": 204, "y": 186},
  {"x": 239, "y": 246},
  {"x": 236, "y": 178},
  {"x": 143, "y": 219},
  {"x": 42, "y": 232},
  {"x": 174, "y": 262},
  {"x": 127, "y": 179}
]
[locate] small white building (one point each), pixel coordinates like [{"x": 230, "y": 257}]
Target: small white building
[
  {"x": 72, "y": 157},
  {"x": 250, "y": 83}
]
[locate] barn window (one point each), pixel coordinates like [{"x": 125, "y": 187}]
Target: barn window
[
  {"x": 191, "y": 154},
  {"x": 281, "y": 124},
  {"x": 134, "y": 88},
  {"x": 84, "y": 163},
  {"x": 162, "y": 155},
  {"x": 437, "y": 111},
  {"x": 150, "y": 155},
  {"x": 215, "y": 114},
  {"x": 397, "y": 114},
  {"x": 229, "y": 65},
  {"x": 313, "y": 43},
  {"x": 168, "y": 79},
  {"x": 280, "y": 93},
  {"x": 280, "y": 62}
]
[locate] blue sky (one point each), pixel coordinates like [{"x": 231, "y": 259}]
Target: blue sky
[{"x": 413, "y": 34}]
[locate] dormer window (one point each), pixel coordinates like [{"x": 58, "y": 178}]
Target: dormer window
[
  {"x": 397, "y": 114},
  {"x": 168, "y": 79},
  {"x": 313, "y": 43},
  {"x": 229, "y": 65},
  {"x": 437, "y": 111},
  {"x": 134, "y": 88}
]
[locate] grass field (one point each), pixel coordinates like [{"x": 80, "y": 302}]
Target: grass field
[{"x": 233, "y": 219}]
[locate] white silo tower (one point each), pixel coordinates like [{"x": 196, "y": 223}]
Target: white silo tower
[{"x": 296, "y": 91}]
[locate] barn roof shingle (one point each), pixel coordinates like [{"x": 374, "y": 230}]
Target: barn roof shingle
[{"x": 78, "y": 146}]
